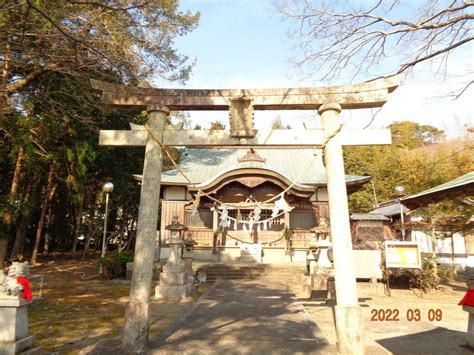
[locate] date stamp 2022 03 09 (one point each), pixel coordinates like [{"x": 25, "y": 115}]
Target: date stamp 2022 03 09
[{"x": 411, "y": 315}]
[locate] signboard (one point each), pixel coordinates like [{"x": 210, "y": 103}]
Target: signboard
[{"x": 402, "y": 255}]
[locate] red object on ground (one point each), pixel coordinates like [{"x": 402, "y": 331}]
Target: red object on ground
[
  {"x": 25, "y": 282},
  {"x": 468, "y": 299}
]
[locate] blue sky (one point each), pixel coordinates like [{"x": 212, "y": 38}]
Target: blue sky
[{"x": 243, "y": 44}]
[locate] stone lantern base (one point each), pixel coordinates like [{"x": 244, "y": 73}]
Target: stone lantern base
[
  {"x": 175, "y": 283},
  {"x": 14, "y": 336},
  {"x": 470, "y": 326}
]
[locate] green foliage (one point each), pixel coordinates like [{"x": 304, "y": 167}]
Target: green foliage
[
  {"x": 114, "y": 264},
  {"x": 217, "y": 232},
  {"x": 217, "y": 125},
  {"x": 130, "y": 40},
  {"x": 287, "y": 234},
  {"x": 415, "y": 160},
  {"x": 446, "y": 217},
  {"x": 278, "y": 124},
  {"x": 411, "y": 135},
  {"x": 50, "y": 114},
  {"x": 445, "y": 272},
  {"x": 429, "y": 274},
  {"x": 428, "y": 277}
]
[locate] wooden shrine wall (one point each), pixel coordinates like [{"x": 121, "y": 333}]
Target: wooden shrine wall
[{"x": 168, "y": 210}]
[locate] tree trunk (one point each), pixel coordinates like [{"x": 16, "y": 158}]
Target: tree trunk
[
  {"x": 91, "y": 231},
  {"x": 8, "y": 215},
  {"x": 77, "y": 227},
  {"x": 47, "y": 237},
  {"x": 47, "y": 196},
  {"x": 33, "y": 192},
  {"x": 4, "y": 81}
]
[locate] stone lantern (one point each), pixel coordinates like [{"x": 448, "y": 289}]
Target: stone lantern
[
  {"x": 188, "y": 252},
  {"x": 175, "y": 281},
  {"x": 322, "y": 275},
  {"x": 175, "y": 241},
  {"x": 312, "y": 258},
  {"x": 323, "y": 259}
]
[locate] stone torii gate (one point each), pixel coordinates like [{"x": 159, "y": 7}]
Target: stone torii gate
[{"x": 329, "y": 101}]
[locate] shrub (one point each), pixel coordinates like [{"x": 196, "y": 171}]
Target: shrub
[
  {"x": 115, "y": 264},
  {"x": 445, "y": 272},
  {"x": 428, "y": 277}
]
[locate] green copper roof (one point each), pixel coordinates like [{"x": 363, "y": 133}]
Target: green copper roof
[
  {"x": 202, "y": 166},
  {"x": 461, "y": 186}
]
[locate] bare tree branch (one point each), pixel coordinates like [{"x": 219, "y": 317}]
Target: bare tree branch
[{"x": 333, "y": 38}]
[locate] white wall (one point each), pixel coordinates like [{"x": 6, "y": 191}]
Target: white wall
[
  {"x": 176, "y": 193},
  {"x": 443, "y": 246}
]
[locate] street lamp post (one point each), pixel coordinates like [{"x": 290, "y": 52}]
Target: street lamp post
[
  {"x": 107, "y": 188},
  {"x": 399, "y": 190}
]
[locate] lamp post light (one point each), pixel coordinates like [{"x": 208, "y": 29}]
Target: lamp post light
[
  {"x": 108, "y": 187},
  {"x": 399, "y": 190}
]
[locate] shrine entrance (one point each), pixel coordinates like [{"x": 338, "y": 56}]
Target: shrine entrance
[
  {"x": 248, "y": 185},
  {"x": 329, "y": 101}
]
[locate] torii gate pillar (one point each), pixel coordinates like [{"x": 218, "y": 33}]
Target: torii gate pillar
[
  {"x": 348, "y": 316},
  {"x": 135, "y": 332}
]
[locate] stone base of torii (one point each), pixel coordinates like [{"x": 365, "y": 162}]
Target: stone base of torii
[{"x": 328, "y": 101}]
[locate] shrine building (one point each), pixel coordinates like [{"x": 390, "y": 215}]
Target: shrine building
[{"x": 210, "y": 181}]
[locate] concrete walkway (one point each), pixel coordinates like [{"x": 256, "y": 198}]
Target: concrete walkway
[{"x": 243, "y": 317}]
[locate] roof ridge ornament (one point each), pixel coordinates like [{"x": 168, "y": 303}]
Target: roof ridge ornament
[{"x": 252, "y": 156}]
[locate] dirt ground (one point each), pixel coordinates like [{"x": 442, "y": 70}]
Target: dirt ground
[
  {"x": 439, "y": 331},
  {"x": 78, "y": 311}
]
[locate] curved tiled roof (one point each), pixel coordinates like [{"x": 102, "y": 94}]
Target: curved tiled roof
[{"x": 202, "y": 166}]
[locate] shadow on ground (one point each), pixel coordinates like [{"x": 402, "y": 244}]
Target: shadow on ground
[
  {"x": 245, "y": 317},
  {"x": 437, "y": 341}
]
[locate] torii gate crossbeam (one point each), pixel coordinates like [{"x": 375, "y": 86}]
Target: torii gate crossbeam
[{"x": 158, "y": 102}]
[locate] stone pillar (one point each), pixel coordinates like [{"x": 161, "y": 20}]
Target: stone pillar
[
  {"x": 135, "y": 333},
  {"x": 188, "y": 253},
  {"x": 215, "y": 227},
  {"x": 14, "y": 336},
  {"x": 349, "y": 326}
]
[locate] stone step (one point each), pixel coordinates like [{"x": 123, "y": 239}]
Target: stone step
[
  {"x": 254, "y": 276},
  {"x": 286, "y": 274},
  {"x": 250, "y": 275}
]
